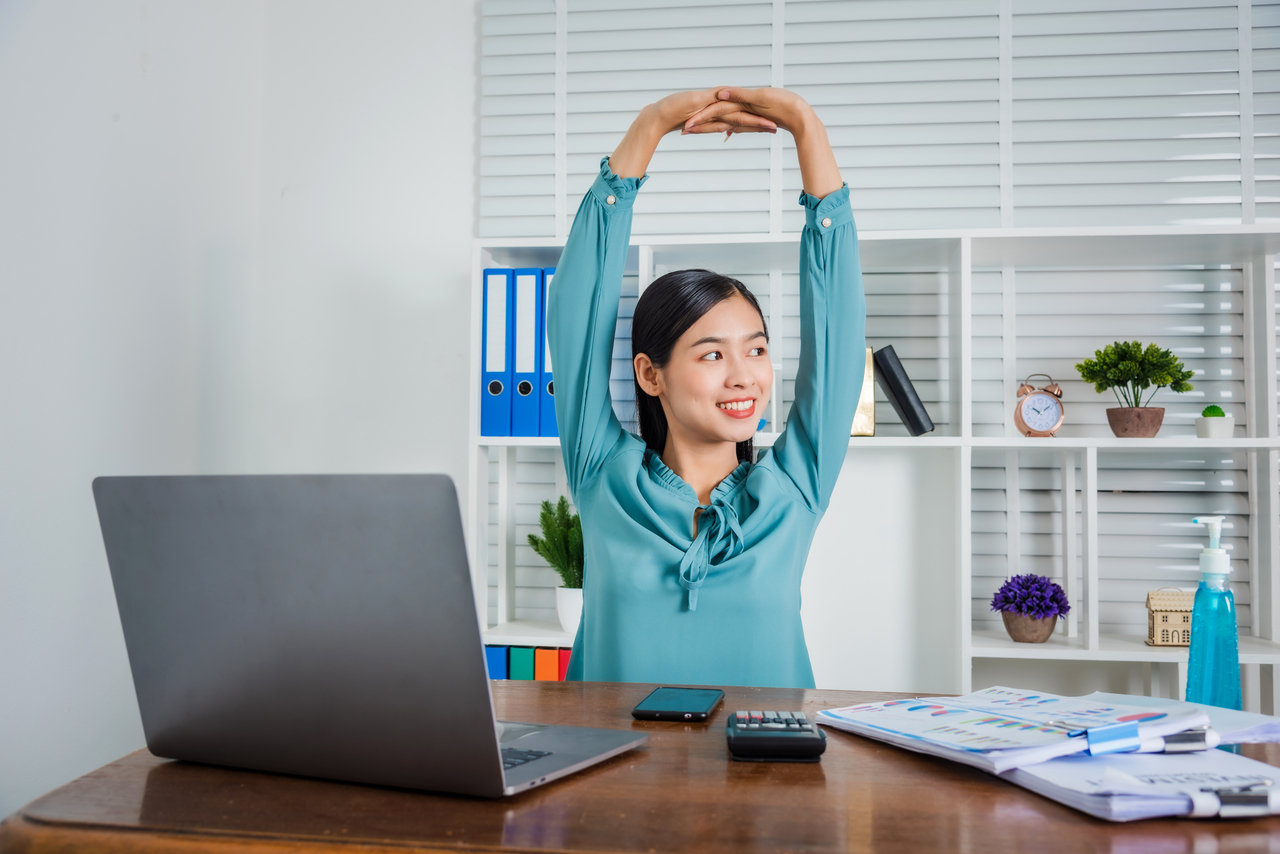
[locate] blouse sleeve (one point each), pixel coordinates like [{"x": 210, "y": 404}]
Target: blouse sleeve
[
  {"x": 582, "y": 314},
  {"x": 812, "y": 448}
]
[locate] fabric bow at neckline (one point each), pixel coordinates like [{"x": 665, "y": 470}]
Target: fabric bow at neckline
[{"x": 719, "y": 539}]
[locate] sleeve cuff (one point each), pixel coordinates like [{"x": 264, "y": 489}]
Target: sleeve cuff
[
  {"x": 826, "y": 213},
  {"x": 622, "y": 191}
]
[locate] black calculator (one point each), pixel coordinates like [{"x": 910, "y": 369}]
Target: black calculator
[{"x": 774, "y": 737}]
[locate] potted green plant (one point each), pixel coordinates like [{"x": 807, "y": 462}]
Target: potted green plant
[
  {"x": 561, "y": 546},
  {"x": 1213, "y": 423},
  {"x": 1129, "y": 369}
]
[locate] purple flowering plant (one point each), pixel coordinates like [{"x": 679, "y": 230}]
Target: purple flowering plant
[{"x": 1032, "y": 596}]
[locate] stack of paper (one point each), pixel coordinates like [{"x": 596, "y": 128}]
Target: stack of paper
[
  {"x": 1130, "y": 786},
  {"x": 997, "y": 729},
  {"x": 1042, "y": 742}
]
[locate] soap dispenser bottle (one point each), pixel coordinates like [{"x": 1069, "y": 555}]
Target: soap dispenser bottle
[{"x": 1213, "y": 675}]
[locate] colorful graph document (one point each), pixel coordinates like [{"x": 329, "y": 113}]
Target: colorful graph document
[{"x": 998, "y": 729}]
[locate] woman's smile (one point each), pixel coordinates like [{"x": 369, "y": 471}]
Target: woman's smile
[{"x": 743, "y": 408}]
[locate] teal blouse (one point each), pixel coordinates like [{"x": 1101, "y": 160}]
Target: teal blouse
[{"x": 721, "y": 608}]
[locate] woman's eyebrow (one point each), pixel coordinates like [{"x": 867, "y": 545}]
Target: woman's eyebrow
[{"x": 712, "y": 340}]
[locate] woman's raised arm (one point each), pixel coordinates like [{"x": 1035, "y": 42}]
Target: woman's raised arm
[
  {"x": 582, "y": 311},
  {"x": 812, "y": 448}
]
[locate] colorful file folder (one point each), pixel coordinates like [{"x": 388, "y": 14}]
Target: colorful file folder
[
  {"x": 496, "y": 340},
  {"x": 520, "y": 662},
  {"x": 546, "y": 665},
  {"x": 496, "y": 659},
  {"x": 526, "y": 402},
  {"x": 546, "y": 385}
]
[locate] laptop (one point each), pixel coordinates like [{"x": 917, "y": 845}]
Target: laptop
[{"x": 319, "y": 625}]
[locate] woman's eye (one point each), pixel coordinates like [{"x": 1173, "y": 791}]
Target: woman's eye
[
  {"x": 758, "y": 351},
  {"x": 713, "y": 355}
]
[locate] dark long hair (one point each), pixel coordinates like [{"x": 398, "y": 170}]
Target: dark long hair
[{"x": 665, "y": 311}]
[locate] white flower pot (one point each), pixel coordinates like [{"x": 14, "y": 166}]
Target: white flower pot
[
  {"x": 1215, "y": 428},
  {"x": 569, "y": 608}
]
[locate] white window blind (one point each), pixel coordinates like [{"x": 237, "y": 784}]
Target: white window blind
[
  {"x": 910, "y": 93},
  {"x": 517, "y": 118},
  {"x": 1118, "y": 112},
  {"x": 1126, "y": 112},
  {"x": 623, "y": 54}
]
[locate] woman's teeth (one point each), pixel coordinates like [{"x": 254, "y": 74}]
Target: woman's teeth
[{"x": 737, "y": 404}]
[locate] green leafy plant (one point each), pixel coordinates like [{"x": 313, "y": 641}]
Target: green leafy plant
[
  {"x": 1128, "y": 370},
  {"x": 1213, "y": 410},
  {"x": 561, "y": 542}
]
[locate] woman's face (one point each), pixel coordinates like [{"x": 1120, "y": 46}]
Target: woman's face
[{"x": 716, "y": 385}]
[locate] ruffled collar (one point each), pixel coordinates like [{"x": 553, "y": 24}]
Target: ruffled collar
[{"x": 674, "y": 482}]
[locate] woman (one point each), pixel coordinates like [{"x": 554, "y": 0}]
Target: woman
[{"x": 694, "y": 554}]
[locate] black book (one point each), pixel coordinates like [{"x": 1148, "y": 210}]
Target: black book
[{"x": 901, "y": 393}]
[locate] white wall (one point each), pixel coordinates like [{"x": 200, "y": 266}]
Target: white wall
[
  {"x": 234, "y": 236},
  {"x": 879, "y": 588}
]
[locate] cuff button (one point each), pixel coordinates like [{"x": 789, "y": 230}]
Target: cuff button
[
  {"x": 610, "y": 200},
  {"x": 826, "y": 223}
]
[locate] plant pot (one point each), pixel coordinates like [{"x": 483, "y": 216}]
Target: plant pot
[
  {"x": 1024, "y": 629},
  {"x": 1135, "y": 422},
  {"x": 569, "y": 608},
  {"x": 1220, "y": 427}
]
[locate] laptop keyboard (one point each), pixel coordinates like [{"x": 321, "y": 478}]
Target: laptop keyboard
[{"x": 513, "y": 756}]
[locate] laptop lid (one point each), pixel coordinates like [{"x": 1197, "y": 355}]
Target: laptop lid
[{"x": 321, "y": 625}]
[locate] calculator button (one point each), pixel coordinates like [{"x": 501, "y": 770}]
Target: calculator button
[
  {"x": 801, "y": 718},
  {"x": 787, "y": 716},
  {"x": 770, "y": 715}
]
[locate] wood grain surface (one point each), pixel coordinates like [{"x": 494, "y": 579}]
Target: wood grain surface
[{"x": 680, "y": 793}]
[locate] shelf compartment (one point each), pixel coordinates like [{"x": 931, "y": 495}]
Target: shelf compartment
[
  {"x": 988, "y": 643},
  {"x": 527, "y": 633},
  {"x": 1104, "y": 443}
]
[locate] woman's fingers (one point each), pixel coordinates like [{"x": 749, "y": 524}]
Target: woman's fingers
[
  {"x": 712, "y": 111},
  {"x": 785, "y": 108},
  {"x": 726, "y": 111},
  {"x": 737, "y": 122}
]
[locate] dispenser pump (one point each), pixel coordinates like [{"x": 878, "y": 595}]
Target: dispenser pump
[{"x": 1214, "y": 560}]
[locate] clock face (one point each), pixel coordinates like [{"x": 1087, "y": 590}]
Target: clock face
[{"x": 1041, "y": 411}]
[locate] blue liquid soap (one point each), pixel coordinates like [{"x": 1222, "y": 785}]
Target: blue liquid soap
[{"x": 1213, "y": 675}]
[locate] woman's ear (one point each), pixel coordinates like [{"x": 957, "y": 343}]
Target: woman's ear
[{"x": 649, "y": 377}]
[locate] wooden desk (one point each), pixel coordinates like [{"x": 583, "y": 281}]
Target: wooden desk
[{"x": 679, "y": 793}]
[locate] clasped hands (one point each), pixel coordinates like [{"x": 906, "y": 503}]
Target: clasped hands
[{"x": 730, "y": 110}]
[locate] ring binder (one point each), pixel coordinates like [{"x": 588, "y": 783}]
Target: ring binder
[
  {"x": 527, "y": 314},
  {"x": 495, "y": 352}
]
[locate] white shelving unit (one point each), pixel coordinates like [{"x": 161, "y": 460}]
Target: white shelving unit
[{"x": 1248, "y": 250}]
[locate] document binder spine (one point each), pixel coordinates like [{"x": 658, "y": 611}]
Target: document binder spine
[
  {"x": 546, "y": 387},
  {"x": 901, "y": 393},
  {"x": 546, "y": 665},
  {"x": 526, "y": 400},
  {"x": 521, "y": 663},
  {"x": 564, "y": 663},
  {"x": 495, "y": 353},
  {"x": 496, "y": 658}
]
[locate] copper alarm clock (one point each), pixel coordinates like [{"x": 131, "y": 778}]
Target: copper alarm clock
[{"x": 1039, "y": 411}]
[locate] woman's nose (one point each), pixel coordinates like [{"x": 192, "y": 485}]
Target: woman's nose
[{"x": 739, "y": 375}]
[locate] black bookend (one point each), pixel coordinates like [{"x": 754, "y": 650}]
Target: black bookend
[{"x": 901, "y": 393}]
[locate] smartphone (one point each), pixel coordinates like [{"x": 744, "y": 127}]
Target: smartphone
[{"x": 678, "y": 704}]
